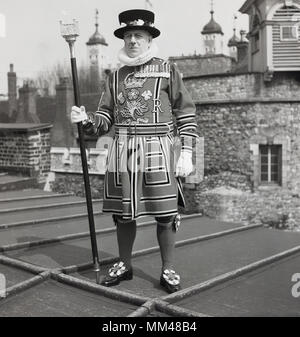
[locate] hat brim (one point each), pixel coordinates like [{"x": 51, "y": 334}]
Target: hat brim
[{"x": 119, "y": 33}]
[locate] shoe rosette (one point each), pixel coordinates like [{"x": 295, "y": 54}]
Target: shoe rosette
[
  {"x": 171, "y": 277},
  {"x": 117, "y": 269}
]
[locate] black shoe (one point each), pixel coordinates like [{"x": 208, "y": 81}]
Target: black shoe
[
  {"x": 118, "y": 272},
  {"x": 170, "y": 281}
]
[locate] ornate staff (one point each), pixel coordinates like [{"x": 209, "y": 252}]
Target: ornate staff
[{"x": 69, "y": 32}]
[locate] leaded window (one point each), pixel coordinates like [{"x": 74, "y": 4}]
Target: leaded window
[{"x": 270, "y": 164}]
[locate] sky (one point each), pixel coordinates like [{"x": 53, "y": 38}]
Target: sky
[{"x": 30, "y": 33}]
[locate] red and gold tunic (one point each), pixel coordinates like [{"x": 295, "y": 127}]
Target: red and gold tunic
[{"x": 145, "y": 104}]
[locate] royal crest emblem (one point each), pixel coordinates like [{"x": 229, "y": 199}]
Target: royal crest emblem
[
  {"x": 134, "y": 109},
  {"x": 133, "y": 94},
  {"x": 132, "y": 82}
]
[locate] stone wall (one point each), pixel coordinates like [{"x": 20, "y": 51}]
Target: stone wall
[
  {"x": 226, "y": 130},
  {"x": 196, "y": 65},
  {"x": 235, "y": 114},
  {"x": 233, "y": 132},
  {"x": 66, "y": 168},
  {"x": 223, "y": 87},
  {"x": 278, "y": 209},
  {"x": 25, "y": 149},
  {"x": 249, "y": 87},
  {"x": 73, "y": 183}
]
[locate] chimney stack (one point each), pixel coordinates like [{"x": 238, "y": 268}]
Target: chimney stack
[
  {"x": 242, "y": 53},
  {"x": 62, "y": 133},
  {"x": 12, "y": 93},
  {"x": 27, "y": 104}
]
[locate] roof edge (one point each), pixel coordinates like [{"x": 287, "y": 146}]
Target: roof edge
[{"x": 246, "y": 6}]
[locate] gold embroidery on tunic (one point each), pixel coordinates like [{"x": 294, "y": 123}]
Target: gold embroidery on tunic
[
  {"x": 147, "y": 94},
  {"x": 153, "y": 70},
  {"x": 121, "y": 98},
  {"x": 132, "y": 82},
  {"x": 133, "y": 94},
  {"x": 134, "y": 109}
]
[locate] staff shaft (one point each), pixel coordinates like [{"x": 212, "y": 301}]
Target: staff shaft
[{"x": 85, "y": 170}]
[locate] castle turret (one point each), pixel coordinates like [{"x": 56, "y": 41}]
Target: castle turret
[
  {"x": 97, "y": 55},
  {"x": 232, "y": 43},
  {"x": 212, "y": 36},
  {"x": 242, "y": 53}
]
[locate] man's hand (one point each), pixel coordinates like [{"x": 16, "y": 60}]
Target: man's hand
[
  {"x": 78, "y": 114},
  {"x": 184, "y": 165}
]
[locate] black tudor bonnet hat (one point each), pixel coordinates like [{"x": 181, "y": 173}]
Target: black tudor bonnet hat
[{"x": 136, "y": 19}]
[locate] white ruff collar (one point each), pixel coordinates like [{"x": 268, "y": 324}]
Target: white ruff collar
[{"x": 139, "y": 60}]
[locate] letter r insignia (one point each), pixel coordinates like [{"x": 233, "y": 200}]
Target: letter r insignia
[{"x": 157, "y": 105}]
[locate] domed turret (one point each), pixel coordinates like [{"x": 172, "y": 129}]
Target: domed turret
[
  {"x": 234, "y": 40},
  {"x": 96, "y": 38},
  {"x": 97, "y": 56},
  {"x": 212, "y": 27},
  {"x": 212, "y": 42}
]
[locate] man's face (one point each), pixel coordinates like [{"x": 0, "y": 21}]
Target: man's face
[{"x": 137, "y": 42}]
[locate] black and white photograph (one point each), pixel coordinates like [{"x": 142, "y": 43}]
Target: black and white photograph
[{"x": 149, "y": 162}]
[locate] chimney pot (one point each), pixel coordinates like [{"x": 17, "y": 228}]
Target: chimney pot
[{"x": 243, "y": 33}]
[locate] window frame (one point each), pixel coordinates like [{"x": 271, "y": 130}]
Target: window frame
[
  {"x": 269, "y": 164},
  {"x": 289, "y": 39}
]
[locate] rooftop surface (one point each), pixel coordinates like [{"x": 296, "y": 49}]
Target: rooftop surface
[{"x": 227, "y": 270}]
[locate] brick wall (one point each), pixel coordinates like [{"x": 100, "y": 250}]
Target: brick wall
[{"x": 25, "y": 149}]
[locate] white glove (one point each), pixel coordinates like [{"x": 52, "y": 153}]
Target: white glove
[
  {"x": 184, "y": 165},
  {"x": 78, "y": 114}
]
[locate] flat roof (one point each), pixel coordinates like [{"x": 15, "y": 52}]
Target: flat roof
[{"x": 24, "y": 126}]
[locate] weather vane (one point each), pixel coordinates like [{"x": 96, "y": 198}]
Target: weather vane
[
  {"x": 97, "y": 16},
  {"x": 234, "y": 22}
]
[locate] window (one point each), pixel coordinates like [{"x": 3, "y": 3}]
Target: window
[
  {"x": 255, "y": 42},
  {"x": 270, "y": 164},
  {"x": 288, "y": 33}
]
